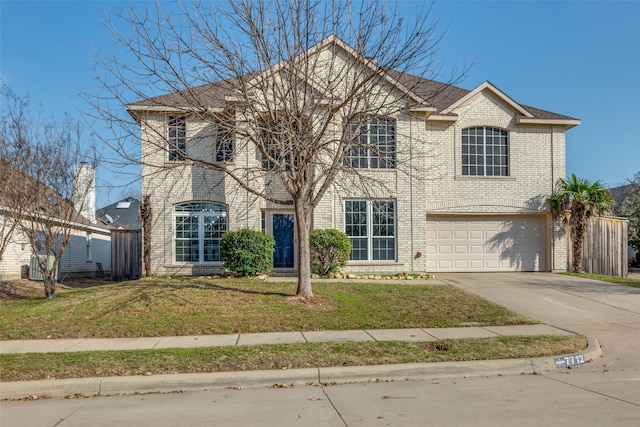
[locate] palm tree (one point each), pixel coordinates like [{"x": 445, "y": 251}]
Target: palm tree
[{"x": 576, "y": 200}]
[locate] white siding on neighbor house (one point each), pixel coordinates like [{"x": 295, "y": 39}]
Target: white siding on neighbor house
[
  {"x": 16, "y": 257},
  {"x": 486, "y": 243},
  {"x": 73, "y": 261}
]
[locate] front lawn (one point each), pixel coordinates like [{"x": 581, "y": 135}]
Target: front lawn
[
  {"x": 628, "y": 281},
  {"x": 38, "y": 366},
  {"x": 163, "y": 306}
]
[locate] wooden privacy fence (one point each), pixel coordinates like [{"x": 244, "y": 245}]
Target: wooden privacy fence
[
  {"x": 125, "y": 255},
  {"x": 605, "y": 247}
]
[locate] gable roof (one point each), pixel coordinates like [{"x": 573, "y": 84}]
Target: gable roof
[
  {"x": 76, "y": 219},
  {"x": 434, "y": 98}
]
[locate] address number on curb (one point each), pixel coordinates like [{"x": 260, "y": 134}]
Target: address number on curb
[{"x": 569, "y": 361}]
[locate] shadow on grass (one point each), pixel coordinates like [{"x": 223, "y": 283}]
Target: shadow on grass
[{"x": 149, "y": 290}]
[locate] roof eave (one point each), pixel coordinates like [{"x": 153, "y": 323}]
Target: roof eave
[
  {"x": 442, "y": 118},
  {"x": 566, "y": 123}
]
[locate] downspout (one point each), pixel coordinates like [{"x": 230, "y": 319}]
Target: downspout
[
  {"x": 551, "y": 227},
  {"x": 411, "y": 191}
]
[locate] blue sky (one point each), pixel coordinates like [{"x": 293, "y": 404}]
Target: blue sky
[{"x": 577, "y": 58}]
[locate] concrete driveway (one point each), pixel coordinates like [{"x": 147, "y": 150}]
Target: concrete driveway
[{"x": 606, "y": 311}]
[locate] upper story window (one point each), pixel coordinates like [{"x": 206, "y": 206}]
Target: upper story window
[
  {"x": 225, "y": 138},
  {"x": 177, "y": 138},
  {"x": 374, "y": 143},
  {"x": 198, "y": 231},
  {"x": 485, "y": 152},
  {"x": 281, "y": 143},
  {"x": 224, "y": 145}
]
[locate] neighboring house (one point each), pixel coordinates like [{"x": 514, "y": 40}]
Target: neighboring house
[
  {"x": 89, "y": 244},
  {"x": 619, "y": 194},
  {"x": 123, "y": 219},
  {"x": 122, "y": 215},
  {"x": 477, "y": 200}
]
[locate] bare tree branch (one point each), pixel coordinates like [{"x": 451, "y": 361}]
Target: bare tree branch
[{"x": 299, "y": 85}]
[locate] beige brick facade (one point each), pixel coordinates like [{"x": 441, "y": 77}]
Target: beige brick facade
[{"x": 428, "y": 181}]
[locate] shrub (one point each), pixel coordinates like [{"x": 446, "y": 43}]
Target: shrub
[
  {"x": 330, "y": 251},
  {"x": 247, "y": 252}
]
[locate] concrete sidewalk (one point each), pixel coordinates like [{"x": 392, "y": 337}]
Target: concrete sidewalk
[
  {"x": 292, "y": 377},
  {"x": 416, "y": 335}
]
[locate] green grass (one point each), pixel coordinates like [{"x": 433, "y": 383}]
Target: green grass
[
  {"x": 173, "y": 306},
  {"x": 610, "y": 279},
  {"x": 35, "y": 366}
]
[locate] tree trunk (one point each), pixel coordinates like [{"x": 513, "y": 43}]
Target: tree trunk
[
  {"x": 49, "y": 287},
  {"x": 304, "y": 214},
  {"x": 578, "y": 231},
  {"x": 145, "y": 213}
]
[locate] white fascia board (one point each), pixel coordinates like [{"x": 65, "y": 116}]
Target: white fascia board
[
  {"x": 168, "y": 109},
  {"x": 488, "y": 86},
  {"x": 428, "y": 111},
  {"x": 567, "y": 123},
  {"x": 441, "y": 118}
]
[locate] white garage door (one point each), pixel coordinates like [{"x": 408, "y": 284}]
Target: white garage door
[{"x": 486, "y": 243}]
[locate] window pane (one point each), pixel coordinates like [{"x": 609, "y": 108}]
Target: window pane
[
  {"x": 224, "y": 145},
  {"x": 177, "y": 138},
  {"x": 359, "y": 249},
  {"x": 384, "y": 249}
]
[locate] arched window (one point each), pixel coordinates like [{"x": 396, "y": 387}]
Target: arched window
[
  {"x": 373, "y": 141},
  {"x": 198, "y": 230},
  {"x": 485, "y": 152}
]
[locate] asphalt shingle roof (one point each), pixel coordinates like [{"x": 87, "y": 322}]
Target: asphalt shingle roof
[{"x": 438, "y": 95}]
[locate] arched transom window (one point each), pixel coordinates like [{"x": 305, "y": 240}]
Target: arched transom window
[{"x": 198, "y": 230}]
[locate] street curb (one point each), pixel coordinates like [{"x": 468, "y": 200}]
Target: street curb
[{"x": 109, "y": 386}]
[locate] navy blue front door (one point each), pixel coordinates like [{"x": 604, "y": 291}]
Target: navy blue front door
[{"x": 283, "y": 235}]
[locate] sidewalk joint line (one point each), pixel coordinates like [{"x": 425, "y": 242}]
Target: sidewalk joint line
[{"x": 333, "y": 405}]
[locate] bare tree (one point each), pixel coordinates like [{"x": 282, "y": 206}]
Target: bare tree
[
  {"x": 42, "y": 192},
  {"x": 303, "y": 84},
  {"x": 13, "y": 144}
]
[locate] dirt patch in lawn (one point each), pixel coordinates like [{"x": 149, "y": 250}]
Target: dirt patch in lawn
[{"x": 23, "y": 288}]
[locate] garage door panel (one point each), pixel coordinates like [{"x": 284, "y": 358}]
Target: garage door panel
[
  {"x": 476, "y": 235},
  {"x": 461, "y": 250},
  {"x": 476, "y": 264},
  {"x": 490, "y": 243},
  {"x": 476, "y": 249},
  {"x": 461, "y": 234},
  {"x": 444, "y": 249},
  {"x": 461, "y": 264}
]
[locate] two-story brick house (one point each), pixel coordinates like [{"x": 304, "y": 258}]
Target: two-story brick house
[{"x": 482, "y": 167}]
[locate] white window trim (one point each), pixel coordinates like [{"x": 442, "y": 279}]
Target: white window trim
[
  {"x": 169, "y": 118},
  {"x": 201, "y": 239},
  {"x": 88, "y": 239},
  {"x": 370, "y": 237},
  {"x": 371, "y": 151},
  {"x": 460, "y": 163}
]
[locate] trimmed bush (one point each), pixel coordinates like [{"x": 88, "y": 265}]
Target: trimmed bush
[
  {"x": 330, "y": 250},
  {"x": 247, "y": 252}
]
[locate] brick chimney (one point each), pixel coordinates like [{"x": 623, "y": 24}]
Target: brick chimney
[{"x": 84, "y": 191}]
